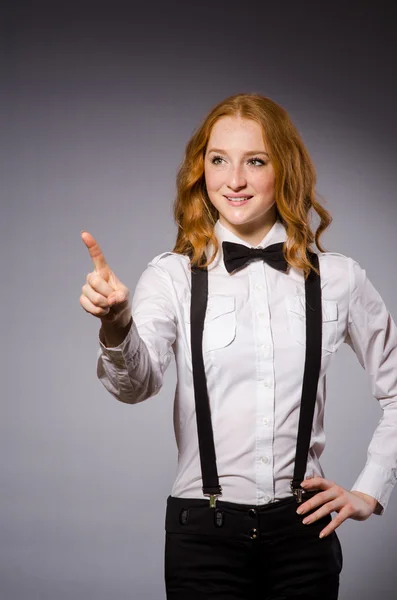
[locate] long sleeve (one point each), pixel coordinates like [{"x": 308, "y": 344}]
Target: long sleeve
[
  {"x": 372, "y": 334},
  {"x": 133, "y": 371}
]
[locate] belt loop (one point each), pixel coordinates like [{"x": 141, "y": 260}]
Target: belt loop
[
  {"x": 218, "y": 518},
  {"x": 184, "y": 516}
]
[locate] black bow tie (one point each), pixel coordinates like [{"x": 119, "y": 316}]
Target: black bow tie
[{"x": 237, "y": 255}]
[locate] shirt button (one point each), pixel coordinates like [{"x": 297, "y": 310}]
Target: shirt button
[
  {"x": 258, "y": 286},
  {"x": 266, "y": 499},
  {"x": 265, "y": 459},
  {"x": 266, "y": 384},
  {"x": 261, "y": 315},
  {"x": 265, "y": 421}
]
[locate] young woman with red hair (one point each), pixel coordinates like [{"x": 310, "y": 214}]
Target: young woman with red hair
[{"x": 254, "y": 318}]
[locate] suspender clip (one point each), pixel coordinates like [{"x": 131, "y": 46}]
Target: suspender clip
[
  {"x": 297, "y": 492},
  {"x": 213, "y": 497}
]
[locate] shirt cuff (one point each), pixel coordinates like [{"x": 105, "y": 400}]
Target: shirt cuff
[
  {"x": 129, "y": 346},
  {"x": 378, "y": 482}
]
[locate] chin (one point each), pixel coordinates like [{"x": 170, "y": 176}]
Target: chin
[{"x": 241, "y": 220}]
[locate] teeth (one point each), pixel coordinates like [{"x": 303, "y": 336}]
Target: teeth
[{"x": 238, "y": 199}]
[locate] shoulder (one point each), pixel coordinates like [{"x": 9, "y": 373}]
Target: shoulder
[
  {"x": 334, "y": 265},
  {"x": 337, "y": 264},
  {"x": 334, "y": 259},
  {"x": 169, "y": 269},
  {"x": 169, "y": 257},
  {"x": 170, "y": 261},
  {"x": 166, "y": 275},
  {"x": 342, "y": 272}
]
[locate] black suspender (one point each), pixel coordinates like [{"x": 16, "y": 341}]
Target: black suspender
[
  {"x": 314, "y": 325},
  {"x": 199, "y": 296},
  {"x": 198, "y": 308}
]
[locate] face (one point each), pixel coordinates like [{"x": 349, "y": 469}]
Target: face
[{"x": 240, "y": 178}]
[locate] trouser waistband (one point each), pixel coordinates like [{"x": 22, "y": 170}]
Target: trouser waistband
[{"x": 194, "y": 515}]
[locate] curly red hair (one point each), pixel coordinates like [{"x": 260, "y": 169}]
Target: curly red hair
[{"x": 295, "y": 193}]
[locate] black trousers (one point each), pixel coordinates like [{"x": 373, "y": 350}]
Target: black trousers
[{"x": 242, "y": 552}]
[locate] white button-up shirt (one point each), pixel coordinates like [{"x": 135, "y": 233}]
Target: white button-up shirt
[{"x": 254, "y": 355}]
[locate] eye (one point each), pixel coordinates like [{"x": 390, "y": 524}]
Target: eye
[
  {"x": 257, "y": 160},
  {"x": 214, "y": 159}
]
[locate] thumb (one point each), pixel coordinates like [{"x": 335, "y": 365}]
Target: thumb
[{"x": 116, "y": 297}]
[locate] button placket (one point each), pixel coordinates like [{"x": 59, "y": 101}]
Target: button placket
[{"x": 265, "y": 380}]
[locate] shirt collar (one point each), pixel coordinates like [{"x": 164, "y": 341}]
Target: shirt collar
[{"x": 276, "y": 234}]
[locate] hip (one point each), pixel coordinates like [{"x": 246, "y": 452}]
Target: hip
[{"x": 223, "y": 552}]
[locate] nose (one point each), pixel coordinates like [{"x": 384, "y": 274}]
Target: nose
[{"x": 236, "y": 178}]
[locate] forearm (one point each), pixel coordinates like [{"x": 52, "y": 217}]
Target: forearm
[
  {"x": 135, "y": 354},
  {"x": 379, "y": 474},
  {"x": 129, "y": 371}
]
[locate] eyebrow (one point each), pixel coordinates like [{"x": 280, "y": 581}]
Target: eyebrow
[{"x": 251, "y": 153}]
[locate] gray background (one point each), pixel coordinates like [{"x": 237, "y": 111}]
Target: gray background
[{"x": 98, "y": 101}]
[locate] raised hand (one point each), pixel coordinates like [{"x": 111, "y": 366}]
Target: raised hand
[{"x": 104, "y": 295}]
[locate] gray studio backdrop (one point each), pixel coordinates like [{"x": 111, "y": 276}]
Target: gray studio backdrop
[{"x": 98, "y": 104}]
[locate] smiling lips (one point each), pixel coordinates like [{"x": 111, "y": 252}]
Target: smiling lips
[{"x": 237, "y": 200}]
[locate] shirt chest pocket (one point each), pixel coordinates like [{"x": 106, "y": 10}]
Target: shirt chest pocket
[
  {"x": 297, "y": 321},
  {"x": 220, "y": 322}
]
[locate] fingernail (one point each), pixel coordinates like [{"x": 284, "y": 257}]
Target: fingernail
[
  {"x": 304, "y": 483},
  {"x": 300, "y": 510},
  {"x": 321, "y": 535},
  {"x": 306, "y": 521}
]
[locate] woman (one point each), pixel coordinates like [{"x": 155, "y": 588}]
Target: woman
[{"x": 249, "y": 515}]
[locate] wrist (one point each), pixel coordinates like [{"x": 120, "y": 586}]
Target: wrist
[
  {"x": 370, "y": 500},
  {"x": 116, "y": 321},
  {"x": 118, "y": 316},
  {"x": 113, "y": 333}
]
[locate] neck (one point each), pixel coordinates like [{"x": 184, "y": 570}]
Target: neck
[{"x": 253, "y": 232}]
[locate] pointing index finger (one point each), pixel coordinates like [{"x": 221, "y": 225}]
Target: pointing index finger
[{"x": 95, "y": 251}]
